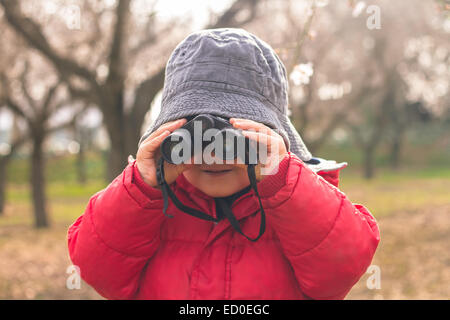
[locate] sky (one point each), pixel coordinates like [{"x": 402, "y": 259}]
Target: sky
[
  {"x": 5, "y": 119},
  {"x": 197, "y": 9}
]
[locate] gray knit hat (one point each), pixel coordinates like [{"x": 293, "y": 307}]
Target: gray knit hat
[{"x": 228, "y": 72}]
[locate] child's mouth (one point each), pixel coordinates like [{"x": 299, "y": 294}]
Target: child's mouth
[{"x": 216, "y": 172}]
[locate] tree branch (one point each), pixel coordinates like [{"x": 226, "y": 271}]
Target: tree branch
[
  {"x": 152, "y": 38},
  {"x": 302, "y": 34},
  {"x": 32, "y": 33},
  {"x": 117, "y": 64},
  {"x": 144, "y": 94},
  {"x": 23, "y": 80},
  {"x": 48, "y": 101},
  {"x": 228, "y": 18},
  {"x": 14, "y": 107}
]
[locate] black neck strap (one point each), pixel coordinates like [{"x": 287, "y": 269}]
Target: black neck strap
[
  {"x": 167, "y": 192},
  {"x": 225, "y": 205}
]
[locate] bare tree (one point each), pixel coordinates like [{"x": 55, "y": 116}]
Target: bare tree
[
  {"x": 308, "y": 46},
  {"x": 83, "y": 136},
  {"x": 17, "y": 142},
  {"x": 371, "y": 63},
  {"x": 36, "y": 114}
]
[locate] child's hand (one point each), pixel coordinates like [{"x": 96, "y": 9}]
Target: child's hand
[
  {"x": 149, "y": 153},
  {"x": 276, "y": 149}
]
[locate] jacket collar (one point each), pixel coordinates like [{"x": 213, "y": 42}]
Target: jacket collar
[
  {"x": 243, "y": 200},
  {"x": 244, "y": 205}
]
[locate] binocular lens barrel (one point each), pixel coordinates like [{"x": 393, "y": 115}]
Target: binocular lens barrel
[{"x": 229, "y": 142}]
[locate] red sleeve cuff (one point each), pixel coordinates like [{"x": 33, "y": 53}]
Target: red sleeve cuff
[
  {"x": 271, "y": 184},
  {"x": 146, "y": 189}
]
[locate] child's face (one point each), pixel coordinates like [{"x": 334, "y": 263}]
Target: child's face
[{"x": 217, "y": 180}]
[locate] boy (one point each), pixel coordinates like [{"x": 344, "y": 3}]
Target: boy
[{"x": 316, "y": 243}]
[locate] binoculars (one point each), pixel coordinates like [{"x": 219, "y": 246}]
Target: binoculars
[{"x": 207, "y": 134}]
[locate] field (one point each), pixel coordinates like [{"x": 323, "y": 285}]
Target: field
[{"x": 412, "y": 207}]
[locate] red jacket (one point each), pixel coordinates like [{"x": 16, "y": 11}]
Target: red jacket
[{"x": 317, "y": 243}]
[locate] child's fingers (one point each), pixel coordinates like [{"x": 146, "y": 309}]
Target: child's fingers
[
  {"x": 170, "y": 126},
  {"x": 246, "y": 124},
  {"x": 261, "y": 138},
  {"x": 151, "y": 147}
]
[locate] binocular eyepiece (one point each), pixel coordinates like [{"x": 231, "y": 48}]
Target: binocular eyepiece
[{"x": 209, "y": 137}]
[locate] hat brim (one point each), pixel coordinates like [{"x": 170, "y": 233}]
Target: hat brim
[{"x": 229, "y": 105}]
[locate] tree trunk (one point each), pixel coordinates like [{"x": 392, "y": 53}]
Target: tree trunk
[
  {"x": 115, "y": 122},
  {"x": 82, "y": 135},
  {"x": 124, "y": 137},
  {"x": 396, "y": 149},
  {"x": 38, "y": 184},
  {"x": 117, "y": 158},
  {"x": 3, "y": 164},
  {"x": 116, "y": 162},
  {"x": 133, "y": 135},
  {"x": 369, "y": 162},
  {"x": 81, "y": 162},
  {"x": 399, "y": 126}
]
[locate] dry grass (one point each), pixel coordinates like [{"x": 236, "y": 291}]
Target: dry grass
[
  {"x": 413, "y": 256},
  {"x": 33, "y": 265}
]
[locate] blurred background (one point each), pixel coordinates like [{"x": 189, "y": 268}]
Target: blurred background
[{"x": 369, "y": 84}]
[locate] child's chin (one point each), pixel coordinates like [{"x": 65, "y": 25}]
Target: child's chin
[{"x": 218, "y": 193}]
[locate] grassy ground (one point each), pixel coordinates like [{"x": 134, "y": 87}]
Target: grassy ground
[{"x": 412, "y": 208}]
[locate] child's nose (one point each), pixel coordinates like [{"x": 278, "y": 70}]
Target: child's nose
[{"x": 219, "y": 159}]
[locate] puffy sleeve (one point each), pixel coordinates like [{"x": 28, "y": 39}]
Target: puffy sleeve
[
  {"x": 116, "y": 236},
  {"x": 329, "y": 241}
]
